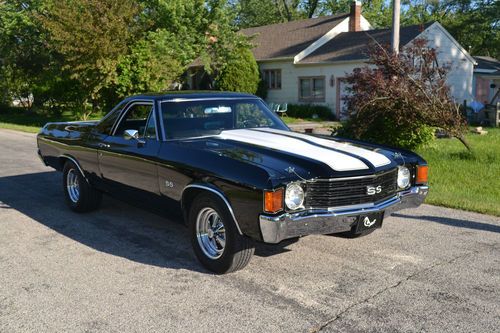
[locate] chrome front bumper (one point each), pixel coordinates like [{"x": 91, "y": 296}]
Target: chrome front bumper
[{"x": 328, "y": 221}]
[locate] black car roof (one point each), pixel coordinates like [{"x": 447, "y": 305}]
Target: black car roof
[{"x": 184, "y": 94}]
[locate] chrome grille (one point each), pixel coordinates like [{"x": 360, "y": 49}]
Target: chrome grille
[{"x": 325, "y": 193}]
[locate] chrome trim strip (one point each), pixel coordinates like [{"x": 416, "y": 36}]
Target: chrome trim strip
[
  {"x": 126, "y": 109},
  {"x": 159, "y": 114},
  {"x": 77, "y": 165},
  {"x": 221, "y": 196},
  {"x": 177, "y": 100}
]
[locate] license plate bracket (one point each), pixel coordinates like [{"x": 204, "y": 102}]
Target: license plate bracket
[{"x": 369, "y": 221}]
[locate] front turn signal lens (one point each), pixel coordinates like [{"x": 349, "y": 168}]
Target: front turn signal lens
[
  {"x": 422, "y": 174},
  {"x": 273, "y": 201}
]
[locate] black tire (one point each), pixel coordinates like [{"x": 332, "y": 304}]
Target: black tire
[
  {"x": 238, "y": 249},
  {"x": 88, "y": 198}
]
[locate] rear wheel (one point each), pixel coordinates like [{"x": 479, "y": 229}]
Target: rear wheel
[
  {"x": 79, "y": 194},
  {"x": 215, "y": 238}
]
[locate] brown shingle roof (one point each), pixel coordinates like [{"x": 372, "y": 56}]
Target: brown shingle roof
[
  {"x": 355, "y": 45},
  {"x": 284, "y": 40}
]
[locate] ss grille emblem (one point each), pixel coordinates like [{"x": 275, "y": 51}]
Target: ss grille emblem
[{"x": 372, "y": 190}]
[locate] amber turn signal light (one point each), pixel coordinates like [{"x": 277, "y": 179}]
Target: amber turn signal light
[
  {"x": 273, "y": 201},
  {"x": 422, "y": 174}
]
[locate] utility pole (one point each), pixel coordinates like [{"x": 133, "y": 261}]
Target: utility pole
[{"x": 396, "y": 8}]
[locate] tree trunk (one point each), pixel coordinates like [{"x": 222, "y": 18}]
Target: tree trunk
[{"x": 464, "y": 141}]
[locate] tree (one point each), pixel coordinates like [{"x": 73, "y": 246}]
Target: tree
[
  {"x": 240, "y": 73},
  {"x": 151, "y": 65},
  {"x": 401, "y": 97},
  {"x": 91, "y": 36}
]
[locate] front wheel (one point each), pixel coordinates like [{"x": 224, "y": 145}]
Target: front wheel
[
  {"x": 215, "y": 238},
  {"x": 79, "y": 194}
]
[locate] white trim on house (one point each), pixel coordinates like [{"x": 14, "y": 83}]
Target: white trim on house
[
  {"x": 365, "y": 25},
  {"x": 336, "y": 62},
  {"x": 339, "y": 28}
]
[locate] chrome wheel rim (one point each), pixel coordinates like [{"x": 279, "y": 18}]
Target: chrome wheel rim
[
  {"x": 73, "y": 185},
  {"x": 211, "y": 233}
]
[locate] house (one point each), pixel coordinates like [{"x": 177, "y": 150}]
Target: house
[
  {"x": 306, "y": 61},
  {"x": 486, "y": 81}
]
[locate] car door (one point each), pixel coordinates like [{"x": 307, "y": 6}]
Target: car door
[{"x": 130, "y": 161}]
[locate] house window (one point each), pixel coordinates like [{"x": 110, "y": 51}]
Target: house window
[
  {"x": 312, "y": 89},
  {"x": 273, "y": 78}
]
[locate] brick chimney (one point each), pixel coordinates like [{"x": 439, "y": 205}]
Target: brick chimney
[{"x": 355, "y": 16}]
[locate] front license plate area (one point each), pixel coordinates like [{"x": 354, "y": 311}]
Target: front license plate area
[{"x": 369, "y": 221}]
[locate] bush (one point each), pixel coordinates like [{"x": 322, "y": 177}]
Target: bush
[
  {"x": 401, "y": 98},
  {"x": 385, "y": 131},
  {"x": 310, "y": 111},
  {"x": 240, "y": 74}
]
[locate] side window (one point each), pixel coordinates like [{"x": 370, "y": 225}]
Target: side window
[
  {"x": 106, "y": 124},
  {"x": 150, "y": 132},
  {"x": 135, "y": 119}
]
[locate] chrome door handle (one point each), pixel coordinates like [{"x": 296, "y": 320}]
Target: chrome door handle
[{"x": 103, "y": 145}]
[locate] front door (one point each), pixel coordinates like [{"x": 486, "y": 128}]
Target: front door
[
  {"x": 341, "y": 104},
  {"x": 131, "y": 162}
]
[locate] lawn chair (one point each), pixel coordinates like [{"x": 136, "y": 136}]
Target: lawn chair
[{"x": 282, "y": 109}]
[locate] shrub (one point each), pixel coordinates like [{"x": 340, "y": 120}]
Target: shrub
[
  {"x": 400, "y": 98},
  {"x": 240, "y": 74},
  {"x": 310, "y": 111}
]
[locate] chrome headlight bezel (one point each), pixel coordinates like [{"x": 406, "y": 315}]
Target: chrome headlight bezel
[
  {"x": 294, "y": 196},
  {"x": 404, "y": 177}
]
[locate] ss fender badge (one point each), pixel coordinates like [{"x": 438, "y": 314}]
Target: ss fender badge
[
  {"x": 169, "y": 184},
  {"x": 367, "y": 223}
]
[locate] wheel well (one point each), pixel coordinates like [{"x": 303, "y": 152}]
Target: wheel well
[
  {"x": 187, "y": 199},
  {"x": 64, "y": 159},
  {"x": 193, "y": 190}
]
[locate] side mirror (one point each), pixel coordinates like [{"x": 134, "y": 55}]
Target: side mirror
[{"x": 131, "y": 134}]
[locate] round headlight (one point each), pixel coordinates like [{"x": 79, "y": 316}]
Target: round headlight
[
  {"x": 403, "y": 177},
  {"x": 294, "y": 196}
]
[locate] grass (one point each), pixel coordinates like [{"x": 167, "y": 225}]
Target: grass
[
  {"x": 463, "y": 180},
  {"x": 292, "y": 120}
]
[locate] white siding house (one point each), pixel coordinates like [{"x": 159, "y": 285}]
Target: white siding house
[{"x": 305, "y": 61}]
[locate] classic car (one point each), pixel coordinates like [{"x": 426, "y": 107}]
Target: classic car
[{"x": 232, "y": 170}]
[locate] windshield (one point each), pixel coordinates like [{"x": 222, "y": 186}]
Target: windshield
[{"x": 210, "y": 117}]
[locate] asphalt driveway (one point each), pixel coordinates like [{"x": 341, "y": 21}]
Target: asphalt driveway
[{"x": 123, "y": 269}]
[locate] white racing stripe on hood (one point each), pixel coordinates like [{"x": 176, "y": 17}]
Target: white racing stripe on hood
[
  {"x": 335, "y": 160},
  {"x": 373, "y": 157}
]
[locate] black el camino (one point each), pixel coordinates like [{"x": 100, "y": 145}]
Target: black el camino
[{"x": 233, "y": 170}]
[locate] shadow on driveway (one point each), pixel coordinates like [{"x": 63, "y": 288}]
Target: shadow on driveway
[
  {"x": 453, "y": 222},
  {"x": 117, "y": 228}
]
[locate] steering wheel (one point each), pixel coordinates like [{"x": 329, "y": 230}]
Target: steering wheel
[{"x": 248, "y": 123}]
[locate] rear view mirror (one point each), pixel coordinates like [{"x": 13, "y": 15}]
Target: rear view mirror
[{"x": 218, "y": 109}]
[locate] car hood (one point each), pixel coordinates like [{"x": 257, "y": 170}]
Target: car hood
[{"x": 294, "y": 155}]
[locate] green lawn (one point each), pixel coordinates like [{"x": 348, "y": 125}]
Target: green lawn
[
  {"x": 469, "y": 181},
  {"x": 292, "y": 120}
]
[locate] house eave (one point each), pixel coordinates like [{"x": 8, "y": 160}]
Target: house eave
[{"x": 337, "y": 62}]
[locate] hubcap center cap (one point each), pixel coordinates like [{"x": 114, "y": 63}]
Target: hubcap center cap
[{"x": 210, "y": 233}]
